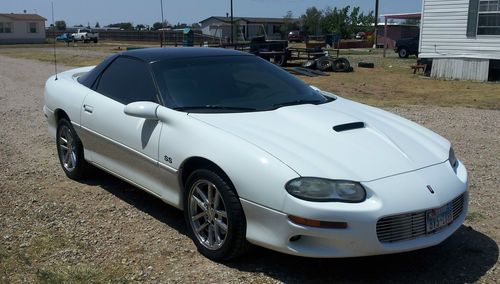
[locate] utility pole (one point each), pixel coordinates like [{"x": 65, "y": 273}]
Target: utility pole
[
  {"x": 232, "y": 23},
  {"x": 376, "y": 25}
]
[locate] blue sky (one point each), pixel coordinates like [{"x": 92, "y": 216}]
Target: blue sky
[{"x": 188, "y": 11}]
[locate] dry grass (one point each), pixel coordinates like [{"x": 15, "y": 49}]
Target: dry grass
[{"x": 390, "y": 83}]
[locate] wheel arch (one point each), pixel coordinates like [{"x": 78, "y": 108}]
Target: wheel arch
[
  {"x": 60, "y": 113},
  {"x": 194, "y": 163}
]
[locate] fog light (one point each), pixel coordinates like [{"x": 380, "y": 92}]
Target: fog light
[{"x": 316, "y": 223}]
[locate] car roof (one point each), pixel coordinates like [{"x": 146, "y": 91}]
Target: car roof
[{"x": 158, "y": 54}]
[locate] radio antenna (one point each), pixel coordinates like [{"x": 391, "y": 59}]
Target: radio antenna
[{"x": 54, "y": 31}]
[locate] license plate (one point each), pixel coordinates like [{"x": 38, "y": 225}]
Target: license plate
[{"x": 440, "y": 217}]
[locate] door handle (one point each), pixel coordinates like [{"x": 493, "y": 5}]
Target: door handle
[{"x": 89, "y": 109}]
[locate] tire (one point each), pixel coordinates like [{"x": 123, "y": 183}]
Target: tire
[
  {"x": 70, "y": 151},
  {"x": 219, "y": 229},
  {"x": 324, "y": 63},
  {"x": 311, "y": 64},
  {"x": 341, "y": 65},
  {"x": 279, "y": 60},
  {"x": 366, "y": 65},
  {"x": 403, "y": 53},
  {"x": 95, "y": 40}
]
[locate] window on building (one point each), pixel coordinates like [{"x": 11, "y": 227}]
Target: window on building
[
  {"x": 488, "y": 17},
  {"x": 5, "y": 27},
  {"x": 32, "y": 28}
]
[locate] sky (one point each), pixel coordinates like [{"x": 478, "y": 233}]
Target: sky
[{"x": 147, "y": 12}]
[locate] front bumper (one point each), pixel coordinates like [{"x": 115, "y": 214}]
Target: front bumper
[{"x": 404, "y": 193}]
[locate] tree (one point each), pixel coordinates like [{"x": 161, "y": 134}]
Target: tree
[
  {"x": 140, "y": 27},
  {"x": 312, "y": 20},
  {"x": 345, "y": 23},
  {"x": 97, "y": 25},
  {"x": 180, "y": 26},
  {"x": 123, "y": 26},
  {"x": 289, "y": 24},
  {"x": 60, "y": 25},
  {"x": 195, "y": 26},
  {"x": 159, "y": 25}
]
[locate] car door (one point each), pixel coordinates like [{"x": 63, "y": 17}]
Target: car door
[{"x": 124, "y": 145}]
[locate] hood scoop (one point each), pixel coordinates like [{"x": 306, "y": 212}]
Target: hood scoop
[{"x": 349, "y": 126}]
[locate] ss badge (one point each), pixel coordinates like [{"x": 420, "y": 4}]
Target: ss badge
[{"x": 167, "y": 159}]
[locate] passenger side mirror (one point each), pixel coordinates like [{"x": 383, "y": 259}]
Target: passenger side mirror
[{"x": 146, "y": 110}]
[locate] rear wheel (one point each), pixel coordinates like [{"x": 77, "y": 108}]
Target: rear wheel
[
  {"x": 70, "y": 150},
  {"x": 214, "y": 216},
  {"x": 403, "y": 53}
]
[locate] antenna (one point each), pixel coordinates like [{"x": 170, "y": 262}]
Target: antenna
[
  {"x": 54, "y": 30},
  {"x": 162, "y": 24}
]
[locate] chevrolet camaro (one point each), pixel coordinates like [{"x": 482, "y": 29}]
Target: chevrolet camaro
[{"x": 253, "y": 155}]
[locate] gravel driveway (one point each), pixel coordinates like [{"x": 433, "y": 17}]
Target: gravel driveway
[{"x": 55, "y": 229}]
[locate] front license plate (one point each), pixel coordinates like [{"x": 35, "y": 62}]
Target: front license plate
[{"x": 437, "y": 218}]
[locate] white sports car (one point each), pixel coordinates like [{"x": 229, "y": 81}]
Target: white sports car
[{"x": 254, "y": 155}]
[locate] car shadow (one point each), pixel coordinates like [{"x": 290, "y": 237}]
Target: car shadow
[
  {"x": 138, "y": 198},
  {"x": 463, "y": 258}
]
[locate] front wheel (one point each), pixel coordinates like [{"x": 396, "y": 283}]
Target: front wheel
[
  {"x": 70, "y": 150},
  {"x": 214, "y": 216}
]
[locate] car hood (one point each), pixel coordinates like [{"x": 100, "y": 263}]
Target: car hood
[{"x": 303, "y": 138}]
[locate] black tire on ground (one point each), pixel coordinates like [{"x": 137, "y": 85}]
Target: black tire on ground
[
  {"x": 403, "y": 53},
  {"x": 95, "y": 40},
  {"x": 311, "y": 64},
  {"x": 324, "y": 63},
  {"x": 235, "y": 243},
  {"x": 66, "y": 137},
  {"x": 341, "y": 65},
  {"x": 366, "y": 65}
]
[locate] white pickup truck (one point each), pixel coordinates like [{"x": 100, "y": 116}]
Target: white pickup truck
[{"x": 85, "y": 35}]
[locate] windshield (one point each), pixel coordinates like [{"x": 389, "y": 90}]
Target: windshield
[{"x": 230, "y": 84}]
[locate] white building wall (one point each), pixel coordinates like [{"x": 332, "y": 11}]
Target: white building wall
[
  {"x": 20, "y": 32},
  {"x": 443, "y": 33}
]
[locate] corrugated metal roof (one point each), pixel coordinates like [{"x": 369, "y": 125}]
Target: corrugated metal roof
[
  {"x": 248, "y": 19},
  {"x": 23, "y": 17}
]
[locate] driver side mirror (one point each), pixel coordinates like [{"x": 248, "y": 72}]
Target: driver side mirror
[{"x": 146, "y": 110}]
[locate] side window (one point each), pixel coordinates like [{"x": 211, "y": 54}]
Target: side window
[{"x": 127, "y": 80}]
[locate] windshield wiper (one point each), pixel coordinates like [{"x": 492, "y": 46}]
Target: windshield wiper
[
  {"x": 299, "y": 102},
  {"x": 215, "y": 107}
]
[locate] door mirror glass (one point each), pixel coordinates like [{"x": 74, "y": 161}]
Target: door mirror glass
[{"x": 146, "y": 110}]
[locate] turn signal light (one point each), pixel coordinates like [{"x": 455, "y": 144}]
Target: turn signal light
[{"x": 317, "y": 223}]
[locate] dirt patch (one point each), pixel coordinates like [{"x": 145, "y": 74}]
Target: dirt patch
[{"x": 53, "y": 229}]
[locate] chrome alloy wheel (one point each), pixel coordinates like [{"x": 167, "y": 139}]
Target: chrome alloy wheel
[
  {"x": 207, "y": 213},
  {"x": 67, "y": 149}
]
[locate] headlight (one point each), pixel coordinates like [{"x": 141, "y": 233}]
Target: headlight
[
  {"x": 453, "y": 159},
  {"x": 323, "y": 190}
]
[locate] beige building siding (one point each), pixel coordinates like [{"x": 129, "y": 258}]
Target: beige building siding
[
  {"x": 20, "y": 32},
  {"x": 460, "y": 68},
  {"x": 444, "y": 33}
]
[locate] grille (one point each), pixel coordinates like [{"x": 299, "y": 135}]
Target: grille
[{"x": 410, "y": 225}]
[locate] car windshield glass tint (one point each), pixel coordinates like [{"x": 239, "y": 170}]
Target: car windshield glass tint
[{"x": 230, "y": 84}]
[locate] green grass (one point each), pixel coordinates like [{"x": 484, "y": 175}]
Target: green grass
[
  {"x": 474, "y": 216},
  {"x": 35, "y": 262}
]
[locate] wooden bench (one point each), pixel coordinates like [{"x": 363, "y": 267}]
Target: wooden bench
[{"x": 418, "y": 67}]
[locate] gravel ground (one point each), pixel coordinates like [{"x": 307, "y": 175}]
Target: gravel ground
[{"x": 54, "y": 229}]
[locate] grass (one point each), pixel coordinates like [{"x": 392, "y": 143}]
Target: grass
[
  {"x": 391, "y": 83},
  {"x": 474, "y": 216},
  {"x": 35, "y": 262}
]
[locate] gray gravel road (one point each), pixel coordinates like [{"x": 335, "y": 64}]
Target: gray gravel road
[{"x": 104, "y": 230}]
